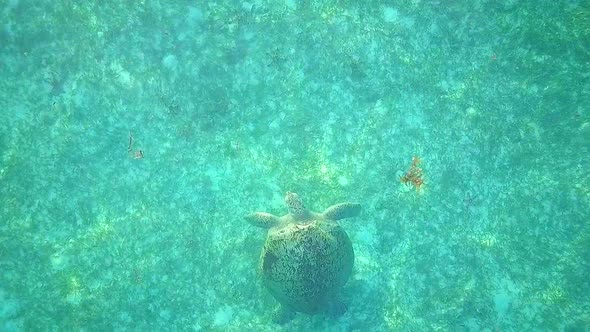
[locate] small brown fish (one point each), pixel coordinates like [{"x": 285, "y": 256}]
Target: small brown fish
[
  {"x": 130, "y": 146},
  {"x": 138, "y": 154}
]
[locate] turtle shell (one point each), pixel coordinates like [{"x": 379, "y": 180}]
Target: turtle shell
[{"x": 305, "y": 265}]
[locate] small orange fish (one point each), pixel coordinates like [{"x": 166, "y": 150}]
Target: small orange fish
[{"x": 414, "y": 174}]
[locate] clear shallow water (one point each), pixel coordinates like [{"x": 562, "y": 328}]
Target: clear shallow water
[{"x": 234, "y": 103}]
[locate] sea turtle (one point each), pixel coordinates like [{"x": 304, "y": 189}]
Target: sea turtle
[{"x": 307, "y": 257}]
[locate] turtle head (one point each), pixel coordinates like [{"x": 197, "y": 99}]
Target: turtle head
[{"x": 294, "y": 204}]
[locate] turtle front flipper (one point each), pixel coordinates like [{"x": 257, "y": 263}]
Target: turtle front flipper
[
  {"x": 336, "y": 308},
  {"x": 341, "y": 211},
  {"x": 263, "y": 219}
]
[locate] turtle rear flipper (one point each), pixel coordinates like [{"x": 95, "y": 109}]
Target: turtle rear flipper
[
  {"x": 341, "y": 211},
  {"x": 282, "y": 315},
  {"x": 263, "y": 219}
]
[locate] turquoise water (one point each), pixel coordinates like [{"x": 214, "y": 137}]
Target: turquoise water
[{"x": 136, "y": 135}]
